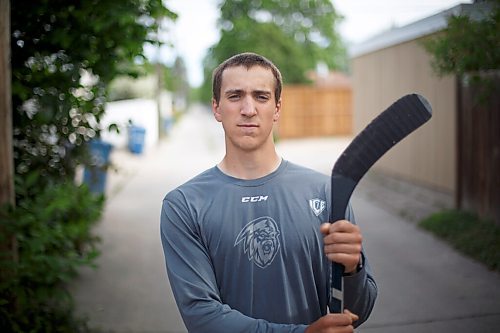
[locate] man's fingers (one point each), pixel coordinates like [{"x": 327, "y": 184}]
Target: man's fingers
[
  {"x": 334, "y": 322},
  {"x": 350, "y": 262},
  {"x": 325, "y": 228},
  {"x": 347, "y": 248},
  {"x": 342, "y": 226},
  {"x": 343, "y": 238},
  {"x": 353, "y": 316}
]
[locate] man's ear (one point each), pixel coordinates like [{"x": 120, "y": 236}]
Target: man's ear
[
  {"x": 215, "y": 110},
  {"x": 277, "y": 111}
]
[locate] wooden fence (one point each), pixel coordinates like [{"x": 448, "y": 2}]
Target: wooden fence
[
  {"x": 312, "y": 111},
  {"x": 478, "y": 141}
]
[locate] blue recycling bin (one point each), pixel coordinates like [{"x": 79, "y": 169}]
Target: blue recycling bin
[
  {"x": 136, "y": 136},
  {"x": 167, "y": 124},
  {"x": 95, "y": 174}
]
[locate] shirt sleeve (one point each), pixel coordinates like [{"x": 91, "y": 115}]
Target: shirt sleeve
[
  {"x": 193, "y": 280},
  {"x": 360, "y": 289}
]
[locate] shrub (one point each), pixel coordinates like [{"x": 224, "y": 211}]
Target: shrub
[{"x": 53, "y": 238}]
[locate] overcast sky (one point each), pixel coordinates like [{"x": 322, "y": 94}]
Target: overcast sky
[{"x": 195, "y": 29}]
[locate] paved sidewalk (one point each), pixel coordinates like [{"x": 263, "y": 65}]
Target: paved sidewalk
[{"x": 424, "y": 285}]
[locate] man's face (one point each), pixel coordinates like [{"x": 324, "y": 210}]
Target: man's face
[{"x": 247, "y": 108}]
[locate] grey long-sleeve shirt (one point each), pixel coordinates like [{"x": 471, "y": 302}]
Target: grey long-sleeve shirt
[{"x": 247, "y": 255}]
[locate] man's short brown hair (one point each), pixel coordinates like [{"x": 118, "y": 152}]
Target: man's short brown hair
[{"x": 248, "y": 60}]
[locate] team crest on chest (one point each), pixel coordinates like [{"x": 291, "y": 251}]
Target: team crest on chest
[
  {"x": 260, "y": 240},
  {"x": 317, "y": 206}
]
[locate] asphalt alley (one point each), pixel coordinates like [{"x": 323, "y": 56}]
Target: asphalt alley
[{"x": 424, "y": 285}]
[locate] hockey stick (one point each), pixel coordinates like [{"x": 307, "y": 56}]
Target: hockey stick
[{"x": 391, "y": 126}]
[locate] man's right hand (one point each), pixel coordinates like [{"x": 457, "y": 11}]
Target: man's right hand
[{"x": 334, "y": 323}]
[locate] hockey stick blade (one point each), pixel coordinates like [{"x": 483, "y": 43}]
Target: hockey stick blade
[{"x": 399, "y": 120}]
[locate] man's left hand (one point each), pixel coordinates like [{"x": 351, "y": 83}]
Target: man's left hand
[{"x": 343, "y": 243}]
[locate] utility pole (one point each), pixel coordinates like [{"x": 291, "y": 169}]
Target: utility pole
[
  {"x": 7, "y": 194},
  {"x": 6, "y": 155}
]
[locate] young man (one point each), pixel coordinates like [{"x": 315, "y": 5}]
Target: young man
[{"x": 245, "y": 242}]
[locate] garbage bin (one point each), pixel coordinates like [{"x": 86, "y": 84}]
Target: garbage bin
[
  {"x": 96, "y": 173},
  {"x": 136, "y": 135},
  {"x": 167, "y": 124}
]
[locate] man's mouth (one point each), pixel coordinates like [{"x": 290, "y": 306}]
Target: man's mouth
[{"x": 248, "y": 125}]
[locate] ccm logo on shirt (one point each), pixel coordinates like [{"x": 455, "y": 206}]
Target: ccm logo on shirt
[{"x": 257, "y": 198}]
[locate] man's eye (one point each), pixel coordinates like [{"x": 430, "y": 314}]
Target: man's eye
[
  {"x": 262, "y": 98},
  {"x": 233, "y": 97}
]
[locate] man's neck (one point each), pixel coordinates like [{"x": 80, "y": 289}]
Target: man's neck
[{"x": 250, "y": 165}]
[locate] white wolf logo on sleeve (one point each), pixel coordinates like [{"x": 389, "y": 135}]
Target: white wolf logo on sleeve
[{"x": 260, "y": 240}]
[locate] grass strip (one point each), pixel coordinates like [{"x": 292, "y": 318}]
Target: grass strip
[{"x": 477, "y": 238}]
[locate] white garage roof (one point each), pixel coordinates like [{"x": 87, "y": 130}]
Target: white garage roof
[{"x": 417, "y": 29}]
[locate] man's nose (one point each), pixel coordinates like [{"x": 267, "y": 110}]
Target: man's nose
[{"x": 248, "y": 107}]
